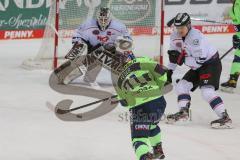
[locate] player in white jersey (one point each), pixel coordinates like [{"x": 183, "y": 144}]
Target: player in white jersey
[
  {"x": 189, "y": 46},
  {"x": 102, "y": 31}
]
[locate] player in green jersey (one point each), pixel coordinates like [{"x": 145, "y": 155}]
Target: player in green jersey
[
  {"x": 139, "y": 87},
  {"x": 231, "y": 84}
]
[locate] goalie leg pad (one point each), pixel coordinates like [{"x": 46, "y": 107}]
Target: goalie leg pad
[
  {"x": 73, "y": 75},
  {"x": 78, "y": 49}
]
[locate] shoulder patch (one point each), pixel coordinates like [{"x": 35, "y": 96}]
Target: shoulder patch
[{"x": 196, "y": 42}]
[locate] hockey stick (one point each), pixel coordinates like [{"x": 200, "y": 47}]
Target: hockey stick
[
  {"x": 170, "y": 22},
  {"x": 226, "y": 53},
  {"x": 61, "y": 111},
  {"x": 210, "y": 21},
  {"x": 166, "y": 90}
]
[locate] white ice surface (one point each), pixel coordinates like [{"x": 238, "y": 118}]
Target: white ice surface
[{"x": 30, "y": 131}]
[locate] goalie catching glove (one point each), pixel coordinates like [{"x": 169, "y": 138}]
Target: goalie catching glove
[{"x": 124, "y": 44}]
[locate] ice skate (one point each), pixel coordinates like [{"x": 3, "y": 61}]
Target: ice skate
[
  {"x": 147, "y": 156},
  {"x": 222, "y": 123},
  {"x": 182, "y": 115},
  {"x": 231, "y": 84},
  {"x": 158, "y": 152}
]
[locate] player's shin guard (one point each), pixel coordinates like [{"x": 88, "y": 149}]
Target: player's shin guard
[
  {"x": 183, "y": 100},
  {"x": 155, "y": 135},
  {"x": 140, "y": 140},
  {"x": 230, "y": 85},
  {"x": 142, "y": 148},
  {"x": 183, "y": 91},
  {"x": 236, "y": 63},
  {"x": 216, "y": 103}
]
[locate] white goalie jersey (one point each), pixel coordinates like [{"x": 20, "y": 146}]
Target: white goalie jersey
[
  {"x": 90, "y": 33},
  {"x": 196, "y": 47}
]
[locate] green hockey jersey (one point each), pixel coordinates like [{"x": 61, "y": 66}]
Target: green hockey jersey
[{"x": 141, "y": 80}]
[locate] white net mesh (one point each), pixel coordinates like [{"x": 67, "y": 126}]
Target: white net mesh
[{"x": 142, "y": 18}]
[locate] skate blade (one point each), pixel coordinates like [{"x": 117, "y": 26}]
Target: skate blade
[
  {"x": 180, "y": 121},
  {"x": 227, "y": 90},
  {"x": 225, "y": 126},
  {"x": 160, "y": 157},
  {"x": 170, "y": 121}
]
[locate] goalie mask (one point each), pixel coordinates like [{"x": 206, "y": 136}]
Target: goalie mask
[{"x": 103, "y": 18}]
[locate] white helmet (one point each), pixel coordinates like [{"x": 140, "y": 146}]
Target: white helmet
[{"x": 103, "y": 17}]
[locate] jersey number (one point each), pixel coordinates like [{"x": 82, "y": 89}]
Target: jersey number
[{"x": 127, "y": 83}]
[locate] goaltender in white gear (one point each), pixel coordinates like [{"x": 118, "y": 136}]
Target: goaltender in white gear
[
  {"x": 103, "y": 30},
  {"x": 189, "y": 46}
]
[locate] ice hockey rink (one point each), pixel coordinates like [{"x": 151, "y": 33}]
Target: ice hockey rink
[{"x": 30, "y": 131}]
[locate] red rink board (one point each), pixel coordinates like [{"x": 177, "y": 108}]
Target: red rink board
[{"x": 38, "y": 33}]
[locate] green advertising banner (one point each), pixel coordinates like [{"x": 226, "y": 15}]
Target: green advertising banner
[
  {"x": 139, "y": 13},
  {"x": 131, "y": 12},
  {"x": 15, "y": 15},
  {"x": 28, "y": 18},
  {"x": 20, "y": 15}
]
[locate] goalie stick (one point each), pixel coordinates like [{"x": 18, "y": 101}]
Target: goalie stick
[{"x": 168, "y": 88}]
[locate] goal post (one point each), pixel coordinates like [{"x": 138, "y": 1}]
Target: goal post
[
  {"x": 143, "y": 18},
  {"x": 55, "y": 54},
  {"x": 162, "y": 19}
]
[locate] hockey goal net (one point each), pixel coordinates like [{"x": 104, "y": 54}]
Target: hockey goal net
[{"x": 144, "y": 19}]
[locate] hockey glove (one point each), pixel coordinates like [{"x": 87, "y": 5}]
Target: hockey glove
[
  {"x": 236, "y": 42},
  {"x": 124, "y": 43},
  {"x": 176, "y": 57},
  {"x": 169, "y": 76}
]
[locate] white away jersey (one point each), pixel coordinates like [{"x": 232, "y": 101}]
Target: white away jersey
[
  {"x": 197, "y": 48},
  {"x": 90, "y": 32}
]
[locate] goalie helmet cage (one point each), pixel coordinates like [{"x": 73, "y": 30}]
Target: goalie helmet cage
[{"x": 144, "y": 19}]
